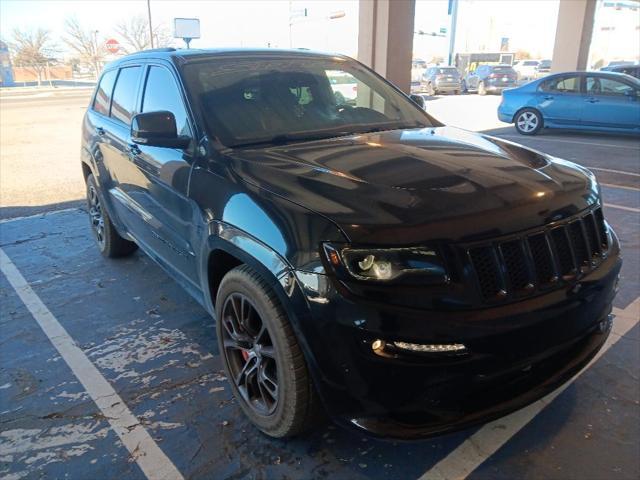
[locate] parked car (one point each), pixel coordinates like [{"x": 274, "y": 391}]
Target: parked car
[
  {"x": 629, "y": 69},
  {"x": 407, "y": 277},
  {"x": 543, "y": 68},
  {"x": 526, "y": 69},
  {"x": 490, "y": 79},
  {"x": 418, "y": 67},
  {"x": 604, "y": 101},
  {"x": 345, "y": 88},
  {"x": 441, "y": 79}
]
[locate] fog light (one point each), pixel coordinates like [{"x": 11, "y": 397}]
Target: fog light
[
  {"x": 377, "y": 346},
  {"x": 431, "y": 348}
]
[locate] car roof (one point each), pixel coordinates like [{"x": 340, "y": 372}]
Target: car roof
[{"x": 184, "y": 55}]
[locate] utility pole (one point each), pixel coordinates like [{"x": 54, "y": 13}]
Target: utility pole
[
  {"x": 95, "y": 53},
  {"x": 453, "y": 11},
  {"x": 150, "y": 27}
]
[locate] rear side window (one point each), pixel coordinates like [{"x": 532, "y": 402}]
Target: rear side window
[
  {"x": 124, "y": 94},
  {"x": 103, "y": 95},
  {"x": 161, "y": 93},
  {"x": 562, "y": 85}
]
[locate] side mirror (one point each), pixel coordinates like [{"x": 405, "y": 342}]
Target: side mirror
[
  {"x": 157, "y": 129},
  {"x": 419, "y": 100}
]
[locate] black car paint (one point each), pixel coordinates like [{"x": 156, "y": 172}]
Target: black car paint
[{"x": 273, "y": 207}]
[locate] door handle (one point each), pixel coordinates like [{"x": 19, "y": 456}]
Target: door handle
[
  {"x": 100, "y": 131},
  {"x": 548, "y": 97},
  {"x": 592, "y": 100},
  {"x": 133, "y": 149}
]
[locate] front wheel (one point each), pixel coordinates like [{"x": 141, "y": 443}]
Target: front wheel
[
  {"x": 528, "y": 121},
  {"x": 263, "y": 361},
  {"x": 109, "y": 242}
]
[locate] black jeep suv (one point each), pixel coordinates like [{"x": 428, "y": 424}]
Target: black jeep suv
[{"x": 358, "y": 256}]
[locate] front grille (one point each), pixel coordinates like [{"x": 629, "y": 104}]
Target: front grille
[{"x": 538, "y": 260}]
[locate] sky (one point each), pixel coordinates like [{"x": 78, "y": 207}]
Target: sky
[
  {"x": 527, "y": 24},
  {"x": 257, "y": 23}
]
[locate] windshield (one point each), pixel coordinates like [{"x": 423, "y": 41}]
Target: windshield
[
  {"x": 447, "y": 71},
  {"x": 273, "y": 100}
]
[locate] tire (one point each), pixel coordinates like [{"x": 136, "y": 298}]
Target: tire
[
  {"x": 457, "y": 92},
  {"x": 481, "y": 89},
  {"x": 258, "y": 324},
  {"x": 110, "y": 243},
  {"x": 528, "y": 121}
]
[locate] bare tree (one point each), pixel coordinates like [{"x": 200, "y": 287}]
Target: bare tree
[
  {"x": 86, "y": 46},
  {"x": 33, "y": 50},
  {"x": 134, "y": 33}
]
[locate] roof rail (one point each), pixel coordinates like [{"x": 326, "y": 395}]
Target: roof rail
[{"x": 152, "y": 50}]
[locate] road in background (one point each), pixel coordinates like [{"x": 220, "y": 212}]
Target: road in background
[{"x": 40, "y": 150}]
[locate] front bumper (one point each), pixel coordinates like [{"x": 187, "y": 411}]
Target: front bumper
[{"x": 517, "y": 353}]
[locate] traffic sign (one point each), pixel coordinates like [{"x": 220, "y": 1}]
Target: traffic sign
[{"x": 112, "y": 45}]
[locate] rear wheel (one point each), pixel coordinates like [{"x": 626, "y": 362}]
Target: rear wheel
[
  {"x": 528, "y": 121},
  {"x": 265, "y": 366},
  {"x": 109, "y": 242}
]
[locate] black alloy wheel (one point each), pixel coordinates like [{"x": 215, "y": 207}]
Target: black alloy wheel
[
  {"x": 250, "y": 354},
  {"x": 95, "y": 215}
]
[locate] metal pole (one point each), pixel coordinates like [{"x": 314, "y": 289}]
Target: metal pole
[
  {"x": 453, "y": 6},
  {"x": 150, "y": 27}
]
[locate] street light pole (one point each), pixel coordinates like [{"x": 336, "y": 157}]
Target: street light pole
[
  {"x": 150, "y": 27},
  {"x": 453, "y": 11}
]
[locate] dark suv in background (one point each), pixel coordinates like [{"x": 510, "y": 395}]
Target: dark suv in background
[
  {"x": 490, "y": 79},
  {"x": 357, "y": 256},
  {"x": 441, "y": 79}
]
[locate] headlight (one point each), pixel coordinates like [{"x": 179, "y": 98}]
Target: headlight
[{"x": 407, "y": 265}]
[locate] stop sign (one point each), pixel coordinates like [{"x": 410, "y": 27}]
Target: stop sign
[{"x": 112, "y": 45}]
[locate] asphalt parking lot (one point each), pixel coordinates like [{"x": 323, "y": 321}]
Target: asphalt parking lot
[{"x": 71, "y": 320}]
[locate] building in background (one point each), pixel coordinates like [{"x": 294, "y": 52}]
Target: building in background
[
  {"x": 6, "y": 72},
  {"x": 616, "y": 33}
]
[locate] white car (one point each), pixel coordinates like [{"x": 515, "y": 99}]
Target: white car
[{"x": 526, "y": 69}]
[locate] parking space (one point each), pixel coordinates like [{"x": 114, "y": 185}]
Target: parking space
[{"x": 157, "y": 349}]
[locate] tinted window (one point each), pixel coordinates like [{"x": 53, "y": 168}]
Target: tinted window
[
  {"x": 447, "y": 71},
  {"x": 124, "y": 94},
  {"x": 562, "y": 85},
  {"x": 272, "y": 99},
  {"x": 607, "y": 86},
  {"x": 503, "y": 70},
  {"x": 103, "y": 95},
  {"x": 530, "y": 63},
  {"x": 161, "y": 93}
]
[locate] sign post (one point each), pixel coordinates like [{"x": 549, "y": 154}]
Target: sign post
[{"x": 186, "y": 29}]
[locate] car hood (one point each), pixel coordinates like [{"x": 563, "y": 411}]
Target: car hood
[{"x": 410, "y": 186}]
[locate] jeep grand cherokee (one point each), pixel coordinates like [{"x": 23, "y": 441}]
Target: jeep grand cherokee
[{"x": 359, "y": 257}]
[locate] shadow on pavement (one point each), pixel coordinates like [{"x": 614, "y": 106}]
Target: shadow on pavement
[{"x": 25, "y": 211}]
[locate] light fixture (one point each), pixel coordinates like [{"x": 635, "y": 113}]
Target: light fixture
[{"x": 430, "y": 348}]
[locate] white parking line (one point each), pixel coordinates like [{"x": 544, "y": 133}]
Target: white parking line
[
  {"x": 143, "y": 449},
  {"x": 578, "y": 142},
  {"x": 610, "y": 170},
  {"x": 623, "y": 187},
  {"x": 622, "y": 207},
  {"x": 471, "y": 453}
]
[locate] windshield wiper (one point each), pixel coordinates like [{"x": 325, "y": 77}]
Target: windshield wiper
[{"x": 284, "y": 138}]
